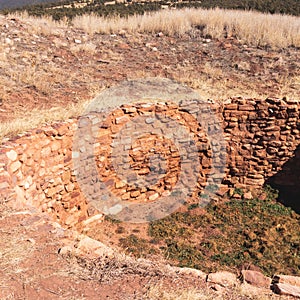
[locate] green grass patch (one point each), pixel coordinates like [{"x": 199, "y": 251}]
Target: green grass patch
[{"x": 227, "y": 235}]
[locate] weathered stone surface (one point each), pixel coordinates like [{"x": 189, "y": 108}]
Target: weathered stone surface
[
  {"x": 93, "y": 248},
  {"x": 256, "y": 278},
  {"x": 189, "y": 271},
  {"x": 15, "y": 166},
  {"x": 248, "y": 196},
  {"x": 293, "y": 280},
  {"x": 222, "y": 278},
  {"x": 12, "y": 155},
  {"x": 286, "y": 289}
]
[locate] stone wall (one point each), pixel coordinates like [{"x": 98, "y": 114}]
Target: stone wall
[{"x": 262, "y": 137}]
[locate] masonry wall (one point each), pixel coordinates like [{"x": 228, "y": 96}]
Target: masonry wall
[{"x": 261, "y": 136}]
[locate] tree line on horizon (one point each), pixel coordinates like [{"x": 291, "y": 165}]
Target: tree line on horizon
[{"x": 98, "y": 7}]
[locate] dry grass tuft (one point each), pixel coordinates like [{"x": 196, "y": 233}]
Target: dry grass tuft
[
  {"x": 160, "y": 293},
  {"x": 240, "y": 292},
  {"x": 41, "y": 25},
  {"x": 254, "y": 28},
  {"x": 86, "y": 47},
  {"x": 37, "y": 117}
]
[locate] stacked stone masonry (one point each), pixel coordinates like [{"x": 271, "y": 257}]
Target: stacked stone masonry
[{"x": 37, "y": 168}]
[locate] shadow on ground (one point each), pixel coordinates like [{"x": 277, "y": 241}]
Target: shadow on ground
[{"x": 287, "y": 182}]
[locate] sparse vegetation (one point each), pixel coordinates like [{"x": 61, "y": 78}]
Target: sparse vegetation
[
  {"x": 227, "y": 235},
  {"x": 134, "y": 244}
]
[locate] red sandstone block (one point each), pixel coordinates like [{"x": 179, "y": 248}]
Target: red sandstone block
[
  {"x": 15, "y": 166},
  {"x": 117, "y": 113},
  {"x": 125, "y": 196},
  {"x": 56, "y": 145},
  {"x": 122, "y": 119},
  {"x": 12, "y": 155},
  {"x": 29, "y": 162},
  {"x": 62, "y": 129},
  {"x": 45, "y": 152},
  {"x": 231, "y": 106},
  {"x": 135, "y": 194},
  {"x": 50, "y": 131}
]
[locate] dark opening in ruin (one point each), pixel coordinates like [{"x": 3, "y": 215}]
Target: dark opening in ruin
[{"x": 287, "y": 182}]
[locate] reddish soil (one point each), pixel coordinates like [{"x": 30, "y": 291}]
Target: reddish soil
[
  {"x": 32, "y": 268},
  {"x": 64, "y": 74}
]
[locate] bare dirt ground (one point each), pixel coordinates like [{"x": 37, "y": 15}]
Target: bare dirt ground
[{"x": 32, "y": 268}]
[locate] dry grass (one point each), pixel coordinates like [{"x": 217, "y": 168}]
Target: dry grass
[
  {"x": 160, "y": 293},
  {"x": 255, "y": 28},
  {"x": 41, "y": 26},
  {"x": 241, "y": 292},
  {"x": 24, "y": 65},
  {"x": 86, "y": 47},
  {"x": 35, "y": 118},
  {"x": 251, "y": 27}
]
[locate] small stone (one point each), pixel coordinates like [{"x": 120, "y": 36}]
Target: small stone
[
  {"x": 89, "y": 245},
  {"x": 8, "y": 41},
  {"x": 70, "y": 187},
  {"x": 217, "y": 287},
  {"x": 153, "y": 197},
  {"x": 12, "y": 155},
  {"x": 122, "y": 32},
  {"x": 149, "y": 120},
  {"x": 193, "y": 272},
  {"x": 135, "y": 194},
  {"x": 77, "y": 41},
  {"x": 248, "y": 196},
  {"x": 92, "y": 219},
  {"x": 256, "y": 278},
  {"x": 120, "y": 184},
  {"x": 236, "y": 196},
  {"x": 65, "y": 250},
  {"x": 227, "y": 45},
  {"x": 15, "y": 166},
  {"x": 122, "y": 119},
  {"x": 222, "y": 191},
  {"x": 222, "y": 278},
  {"x": 125, "y": 196},
  {"x": 32, "y": 241}
]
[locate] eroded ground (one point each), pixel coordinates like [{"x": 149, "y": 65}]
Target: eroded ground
[{"x": 42, "y": 69}]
